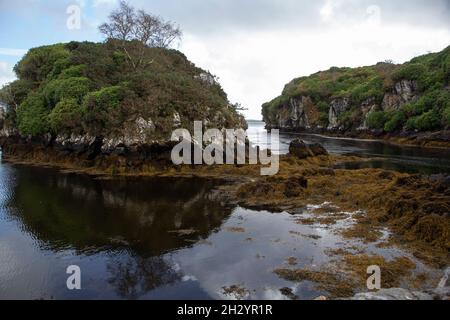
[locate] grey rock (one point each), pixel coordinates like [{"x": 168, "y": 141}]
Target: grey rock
[
  {"x": 134, "y": 134},
  {"x": 367, "y": 107},
  {"x": 403, "y": 92},
  {"x": 442, "y": 292},
  {"x": 393, "y": 294},
  {"x": 176, "y": 120},
  {"x": 337, "y": 107},
  {"x": 294, "y": 114},
  {"x": 206, "y": 78},
  {"x": 302, "y": 150}
]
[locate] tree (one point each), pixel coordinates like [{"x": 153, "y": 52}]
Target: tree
[
  {"x": 126, "y": 25},
  {"x": 121, "y": 23},
  {"x": 67, "y": 115},
  {"x": 32, "y": 115}
]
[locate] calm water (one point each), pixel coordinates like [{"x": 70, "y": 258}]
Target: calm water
[
  {"x": 389, "y": 157},
  {"x": 154, "y": 238}
]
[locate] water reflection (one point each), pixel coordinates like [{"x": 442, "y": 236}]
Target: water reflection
[
  {"x": 70, "y": 211},
  {"x": 136, "y": 276}
]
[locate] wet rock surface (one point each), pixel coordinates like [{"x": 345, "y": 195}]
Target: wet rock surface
[
  {"x": 442, "y": 292},
  {"x": 302, "y": 150}
]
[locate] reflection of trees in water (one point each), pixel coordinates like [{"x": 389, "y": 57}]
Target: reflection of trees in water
[
  {"x": 77, "y": 211},
  {"x": 136, "y": 276}
]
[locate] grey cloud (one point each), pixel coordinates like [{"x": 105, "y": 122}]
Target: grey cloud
[{"x": 206, "y": 16}]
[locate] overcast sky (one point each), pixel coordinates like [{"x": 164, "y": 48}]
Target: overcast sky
[{"x": 254, "y": 46}]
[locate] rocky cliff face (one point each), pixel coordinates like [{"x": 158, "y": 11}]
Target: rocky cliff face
[
  {"x": 403, "y": 92},
  {"x": 303, "y": 114},
  {"x": 337, "y": 107},
  {"x": 297, "y": 113}
]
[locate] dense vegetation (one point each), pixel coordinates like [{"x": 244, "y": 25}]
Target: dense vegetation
[
  {"x": 431, "y": 111},
  {"x": 95, "y": 88}
]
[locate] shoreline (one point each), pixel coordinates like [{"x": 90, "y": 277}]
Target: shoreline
[{"x": 416, "y": 140}]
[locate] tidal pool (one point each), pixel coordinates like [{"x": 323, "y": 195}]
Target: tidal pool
[{"x": 155, "y": 238}]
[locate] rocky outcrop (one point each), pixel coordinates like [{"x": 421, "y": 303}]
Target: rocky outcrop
[
  {"x": 403, "y": 92},
  {"x": 297, "y": 113},
  {"x": 442, "y": 292},
  {"x": 337, "y": 107},
  {"x": 367, "y": 107},
  {"x": 301, "y": 150},
  {"x": 134, "y": 134},
  {"x": 393, "y": 294}
]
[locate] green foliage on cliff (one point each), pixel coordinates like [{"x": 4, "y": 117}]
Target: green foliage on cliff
[
  {"x": 395, "y": 121},
  {"x": 97, "y": 88},
  {"x": 377, "y": 120},
  {"x": 65, "y": 116},
  {"x": 32, "y": 115},
  {"x": 369, "y": 85}
]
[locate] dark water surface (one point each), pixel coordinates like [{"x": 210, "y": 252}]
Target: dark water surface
[
  {"x": 147, "y": 239},
  {"x": 388, "y": 156}
]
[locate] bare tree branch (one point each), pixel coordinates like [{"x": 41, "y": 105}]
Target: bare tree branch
[{"x": 126, "y": 24}]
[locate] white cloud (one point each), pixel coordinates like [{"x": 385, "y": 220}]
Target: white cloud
[
  {"x": 12, "y": 52},
  {"x": 6, "y": 74},
  {"x": 98, "y": 3},
  {"x": 326, "y": 12}
]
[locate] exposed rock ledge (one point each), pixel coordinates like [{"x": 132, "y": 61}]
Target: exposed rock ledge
[{"x": 442, "y": 292}]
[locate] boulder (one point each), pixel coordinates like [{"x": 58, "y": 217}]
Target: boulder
[
  {"x": 318, "y": 150},
  {"x": 302, "y": 150}
]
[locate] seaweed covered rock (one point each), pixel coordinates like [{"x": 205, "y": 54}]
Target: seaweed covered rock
[{"x": 302, "y": 150}]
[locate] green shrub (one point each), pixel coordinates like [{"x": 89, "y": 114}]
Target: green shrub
[
  {"x": 446, "y": 117},
  {"x": 376, "y": 120},
  {"x": 38, "y": 63},
  {"x": 323, "y": 107},
  {"x": 15, "y": 93},
  {"x": 75, "y": 88},
  {"x": 105, "y": 98},
  {"x": 396, "y": 122},
  {"x": 67, "y": 115},
  {"x": 324, "y": 119},
  {"x": 410, "y": 71},
  {"x": 73, "y": 72},
  {"x": 102, "y": 110},
  {"x": 428, "y": 121},
  {"x": 32, "y": 115},
  {"x": 411, "y": 124}
]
